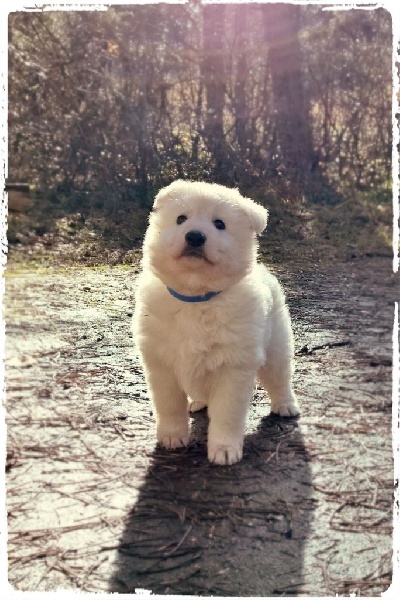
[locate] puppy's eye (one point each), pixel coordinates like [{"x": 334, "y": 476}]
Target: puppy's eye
[
  {"x": 181, "y": 219},
  {"x": 219, "y": 224}
]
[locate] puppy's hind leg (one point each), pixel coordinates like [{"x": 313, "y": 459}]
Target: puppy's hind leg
[
  {"x": 196, "y": 405},
  {"x": 276, "y": 374}
]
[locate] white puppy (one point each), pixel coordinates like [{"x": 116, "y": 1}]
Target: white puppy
[{"x": 209, "y": 320}]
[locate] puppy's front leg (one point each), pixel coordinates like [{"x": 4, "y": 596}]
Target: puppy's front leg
[
  {"x": 171, "y": 406},
  {"x": 230, "y": 397}
]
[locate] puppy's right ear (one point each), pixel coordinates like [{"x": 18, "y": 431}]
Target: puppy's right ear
[
  {"x": 161, "y": 198},
  {"x": 172, "y": 190}
]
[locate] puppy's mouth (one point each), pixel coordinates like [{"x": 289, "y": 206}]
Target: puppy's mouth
[{"x": 196, "y": 253}]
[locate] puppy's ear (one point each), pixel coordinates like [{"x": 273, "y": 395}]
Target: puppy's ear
[
  {"x": 172, "y": 190},
  {"x": 257, "y": 214}
]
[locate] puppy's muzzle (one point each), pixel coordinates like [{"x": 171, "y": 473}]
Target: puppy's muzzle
[{"x": 195, "y": 241}]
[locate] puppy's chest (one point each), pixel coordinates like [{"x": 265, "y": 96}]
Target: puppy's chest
[
  {"x": 194, "y": 343},
  {"x": 197, "y": 337},
  {"x": 195, "y": 331}
]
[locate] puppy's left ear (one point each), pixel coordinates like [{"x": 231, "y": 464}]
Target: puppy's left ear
[{"x": 257, "y": 214}]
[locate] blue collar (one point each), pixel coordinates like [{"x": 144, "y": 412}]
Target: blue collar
[{"x": 201, "y": 298}]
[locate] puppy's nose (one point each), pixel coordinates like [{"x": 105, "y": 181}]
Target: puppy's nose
[{"x": 195, "y": 238}]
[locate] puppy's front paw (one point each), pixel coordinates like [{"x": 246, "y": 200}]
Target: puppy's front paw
[
  {"x": 173, "y": 437},
  {"x": 225, "y": 454},
  {"x": 171, "y": 440},
  {"x": 289, "y": 408}
]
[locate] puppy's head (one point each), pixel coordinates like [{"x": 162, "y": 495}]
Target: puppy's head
[{"x": 202, "y": 236}]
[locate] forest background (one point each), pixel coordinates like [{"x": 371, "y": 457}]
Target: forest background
[{"x": 290, "y": 103}]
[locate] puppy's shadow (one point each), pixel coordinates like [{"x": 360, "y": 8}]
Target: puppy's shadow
[{"x": 239, "y": 530}]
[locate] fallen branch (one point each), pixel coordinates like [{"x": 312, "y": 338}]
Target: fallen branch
[{"x": 306, "y": 350}]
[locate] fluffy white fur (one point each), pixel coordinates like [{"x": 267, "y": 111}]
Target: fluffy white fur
[{"x": 210, "y": 353}]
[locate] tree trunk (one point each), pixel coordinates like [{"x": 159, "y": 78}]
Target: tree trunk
[
  {"x": 291, "y": 105},
  {"x": 213, "y": 77},
  {"x": 240, "y": 105}
]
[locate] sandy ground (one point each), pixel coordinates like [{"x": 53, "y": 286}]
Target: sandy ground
[{"x": 93, "y": 504}]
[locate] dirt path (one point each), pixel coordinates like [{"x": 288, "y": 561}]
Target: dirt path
[{"x": 93, "y": 503}]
